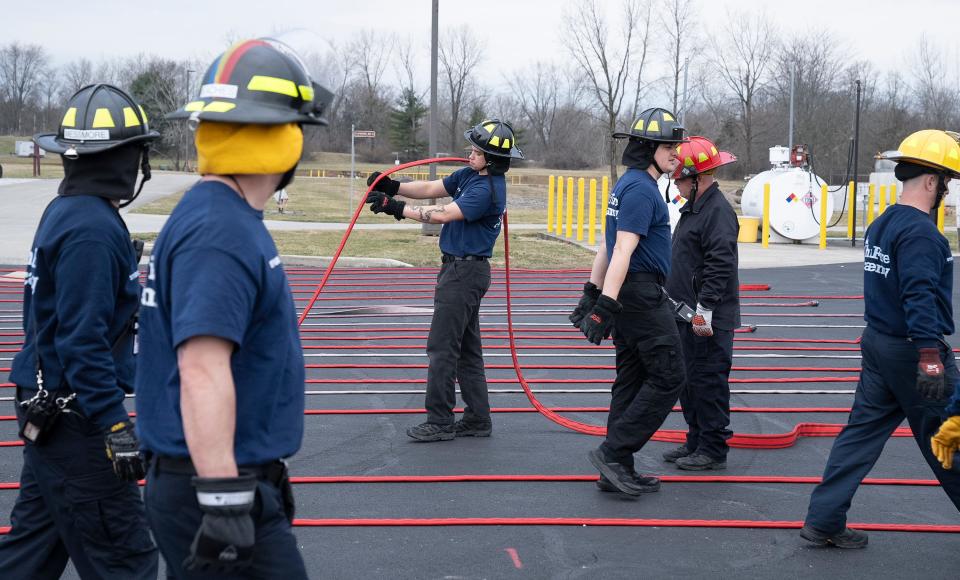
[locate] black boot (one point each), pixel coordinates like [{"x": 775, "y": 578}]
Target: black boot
[
  {"x": 700, "y": 462},
  {"x": 428, "y": 432},
  {"x": 463, "y": 428},
  {"x": 847, "y": 539},
  {"x": 624, "y": 479},
  {"x": 675, "y": 454}
]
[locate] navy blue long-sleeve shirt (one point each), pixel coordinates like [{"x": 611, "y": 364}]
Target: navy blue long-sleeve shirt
[
  {"x": 82, "y": 288},
  {"x": 908, "y": 277}
]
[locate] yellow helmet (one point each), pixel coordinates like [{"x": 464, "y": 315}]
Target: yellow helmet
[{"x": 931, "y": 148}]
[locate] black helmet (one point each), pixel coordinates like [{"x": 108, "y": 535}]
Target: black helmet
[
  {"x": 98, "y": 118},
  {"x": 657, "y": 125},
  {"x": 260, "y": 82},
  {"x": 494, "y": 137}
]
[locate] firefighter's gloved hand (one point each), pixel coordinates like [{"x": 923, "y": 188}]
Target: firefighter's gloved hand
[
  {"x": 388, "y": 186},
  {"x": 589, "y": 298},
  {"x": 931, "y": 377},
  {"x": 599, "y": 323},
  {"x": 224, "y": 543},
  {"x": 123, "y": 450},
  {"x": 382, "y": 203},
  {"x": 703, "y": 321},
  {"x": 947, "y": 441}
]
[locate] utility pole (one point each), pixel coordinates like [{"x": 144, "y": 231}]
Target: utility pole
[
  {"x": 793, "y": 69},
  {"x": 433, "y": 229},
  {"x": 856, "y": 157}
]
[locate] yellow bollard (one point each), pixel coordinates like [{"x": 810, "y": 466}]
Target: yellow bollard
[
  {"x": 551, "y": 183},
  {"x": 580, "y": 203},
  {"x": 883, "y": 201},
  {"x": 559, "y": 214},
  {"x": 765, "y": 228},
  {"x": 870, "y": 204},
  {"x": 592, "y": 236},
  {"x": 568, "y": 230},
  {"x": 851, "y": 204},
  {"x": 940, "y": 216},
  {"x": 893, "y": 194},
  {"x": 823, "y": 216},
  {"x": 604, "y": 200}
]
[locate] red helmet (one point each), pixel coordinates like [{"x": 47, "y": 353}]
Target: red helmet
[{"x": 700, "y": 155}]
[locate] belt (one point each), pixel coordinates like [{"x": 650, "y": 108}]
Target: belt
[
  {"x": 273, "y": 472},
  {"x": 644, "y": 277},
  {"x": 446, "y": 258}
]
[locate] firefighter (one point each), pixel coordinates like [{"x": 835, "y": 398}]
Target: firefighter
[
  {"x": 78, "y": 497},
  {"x": 704, "y": 272},
  {"x": 471, "y": 225},
  {"x": 220, "y": 385},
  {"x": 908, "y": 369},
  {"x": 625, "y": 296}
]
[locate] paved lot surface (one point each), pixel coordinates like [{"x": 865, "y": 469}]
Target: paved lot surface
[{"x": 372, "y": 361}]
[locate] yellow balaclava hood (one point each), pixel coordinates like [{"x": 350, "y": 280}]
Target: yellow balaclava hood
[{"x": 244, "y": 149}]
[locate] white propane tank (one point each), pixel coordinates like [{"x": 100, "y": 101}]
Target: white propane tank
[
  {"x": 794, "y": 201},
  {"x": 676, "y": 202}
]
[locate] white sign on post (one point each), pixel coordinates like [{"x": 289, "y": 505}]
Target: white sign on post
[{"x": 365, "y": 134}]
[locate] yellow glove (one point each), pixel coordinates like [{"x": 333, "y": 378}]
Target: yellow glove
[{"x": 946, "y": 442}]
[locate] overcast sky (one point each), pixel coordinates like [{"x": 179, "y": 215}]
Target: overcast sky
[{"x": 516, "y": 32}]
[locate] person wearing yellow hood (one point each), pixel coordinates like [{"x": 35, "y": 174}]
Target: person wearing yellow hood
[{"x": 220, "y": 394}]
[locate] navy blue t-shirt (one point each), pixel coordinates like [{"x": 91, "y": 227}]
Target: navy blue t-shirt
[
  {"x": 215, "y": 272},
  {"x": 83, "y": 287},
  {"x": 636, "y": 206},
  {"x": 476, "y": 234},
  {"x": 908, "y": 277}
]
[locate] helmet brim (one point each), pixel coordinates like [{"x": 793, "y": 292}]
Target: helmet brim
[
  {"x": 52, "y": 143},
  {"x": 248, "y": 114},
  {"x": 621, "y": 135},
  {"x": 899, "y": 157}
]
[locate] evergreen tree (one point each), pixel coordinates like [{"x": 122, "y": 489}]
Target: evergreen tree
[{"x": 406, "y": 120}]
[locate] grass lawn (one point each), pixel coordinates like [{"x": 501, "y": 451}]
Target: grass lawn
[
  {"x": 330, "y": 200},
  {"x": 527, "y": 249}
]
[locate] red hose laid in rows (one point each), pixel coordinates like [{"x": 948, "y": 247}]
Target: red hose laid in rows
[
  {"x": 615, "y": 522},
  {"x": 539, "y": 478},
  {"x": 739, "y": 440}
]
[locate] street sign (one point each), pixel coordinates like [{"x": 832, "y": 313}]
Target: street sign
[{"x": 365, "y": 134}]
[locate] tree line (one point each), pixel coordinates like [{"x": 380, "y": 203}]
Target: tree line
[{"x": 615, "y": 62}]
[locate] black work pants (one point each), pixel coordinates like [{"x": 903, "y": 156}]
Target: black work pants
[
  {"x": 453, "y": 345},
  {"x": 650, "y": 371},
  {"x": 71, "y": 506},
  {"x": 705, "y": 397},
  {"x": 175, "y": 518},
  {"x": 887, "y": 392}
]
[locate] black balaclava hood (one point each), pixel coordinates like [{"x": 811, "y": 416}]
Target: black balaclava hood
[
  {"x": 906, "y": 170},
  {"x": 497, "y": 165},
  {"x": 111, "y": 174},
  {"x": 638, "y": 154}
]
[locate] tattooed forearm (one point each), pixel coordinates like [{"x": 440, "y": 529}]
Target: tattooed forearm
[{"x": 426, "y": 215}]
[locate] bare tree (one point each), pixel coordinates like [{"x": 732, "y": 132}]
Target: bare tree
[
  {"x": 935, "y": 96},
  {"x": 744, "y": 63},
  {"x": 76, "y": 74},
  {"x": 678, "y": 23},
  {"x": 21, "y": 68},
  {"x": 639, "y": 61},
  {"x": 460, "y": 54},
  {"x": 605, "y": 61},
  {"x": 537, "y": 92}
]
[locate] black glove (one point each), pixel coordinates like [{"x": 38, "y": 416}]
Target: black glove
[
  {"x": 931, "y": 378},
  {"x": 382, "y": 203},
  {"x": 123, "y": 449},
  {"x": 388, "y": 186},
  {"x": 597, "y": 325},
  {"x": 589, "y": 298},
  {"x": 224, "y": 543}
]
